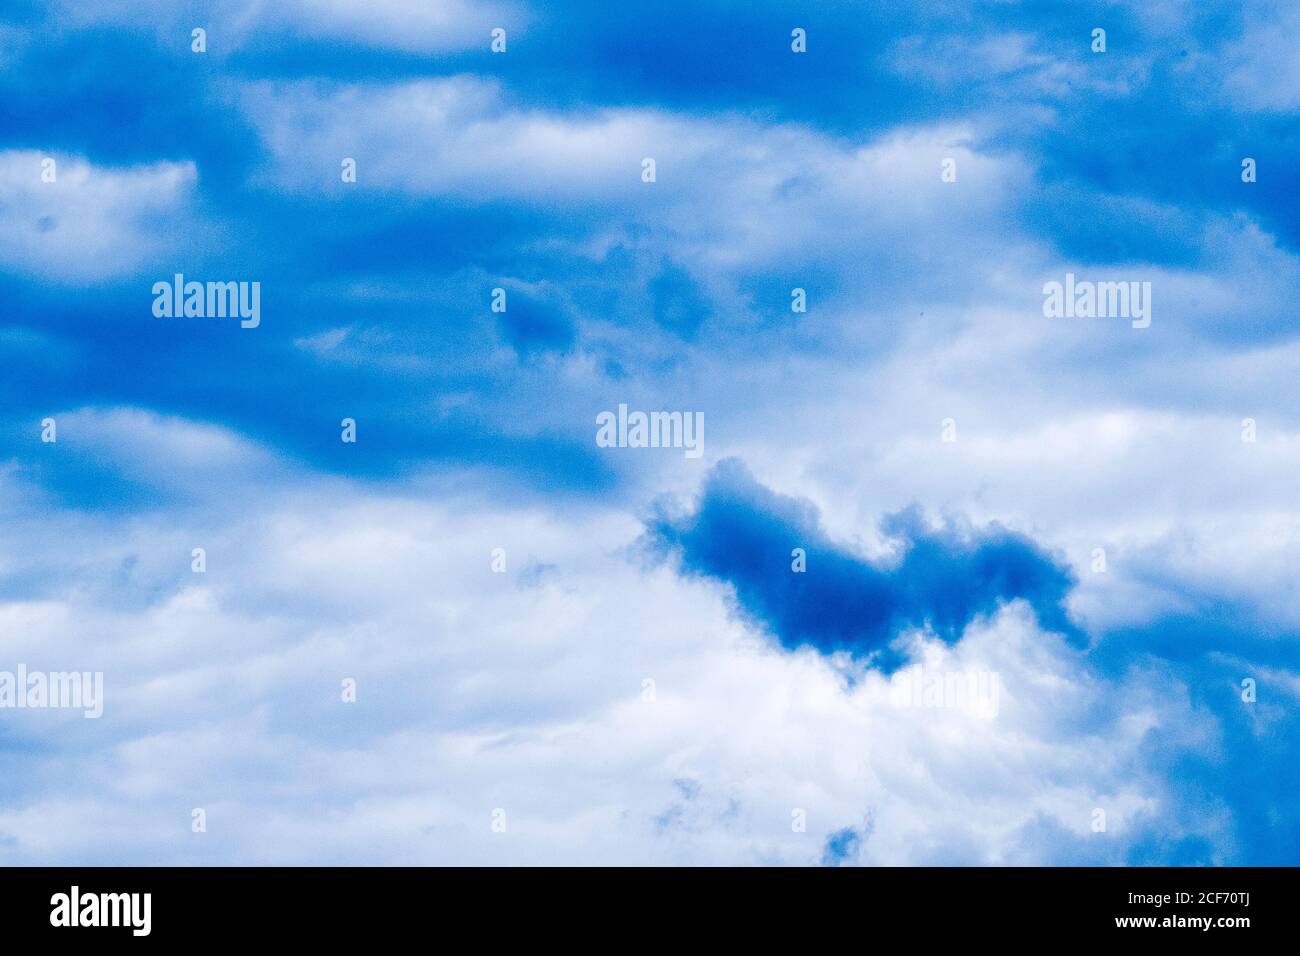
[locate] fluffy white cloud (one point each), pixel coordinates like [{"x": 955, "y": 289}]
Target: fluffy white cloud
[
  {"x": 462, "y": 136},
  {"x": 523, "y": 691},
  {"x": 90, "y": 222}
]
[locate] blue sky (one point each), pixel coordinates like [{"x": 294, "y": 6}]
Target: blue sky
[{"x": 649, "y": 680}]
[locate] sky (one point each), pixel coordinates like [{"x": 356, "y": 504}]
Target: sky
[{"x": 942, "y": 577}]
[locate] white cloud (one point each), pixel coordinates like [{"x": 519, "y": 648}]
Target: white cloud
[
  {"x": 1263, "y": 69},
  {"x": 164, "y": 451},
  {"x": 461, "y": 135},
  {"x": 91, "y": 222},
  {"x": 522, "y": 691},
  {"x": 733, "y": 198}
]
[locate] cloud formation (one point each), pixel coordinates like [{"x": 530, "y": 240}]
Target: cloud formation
[
  {"x": 64, "y": 218},
  {"x": 679, "y": 711}
]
